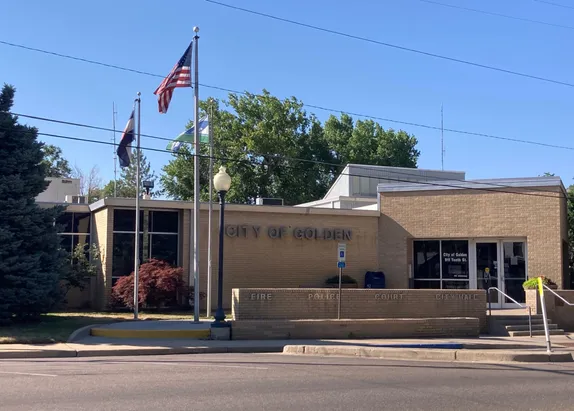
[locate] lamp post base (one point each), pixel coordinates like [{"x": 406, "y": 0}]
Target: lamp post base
[{"x": 221, "y": 331}]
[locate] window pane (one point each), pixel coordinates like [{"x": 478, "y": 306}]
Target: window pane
[
  {"x": 418, "y": 284},
  {"x": 124, "y": 220},
  {"x": 455, "y": 260},
  {"x": 455, "y": 285},
  {"x": 426, "y": 259},
  {"x": 81, "y": 222},
  {"x": 164, "y": 221},
  {"x": 64, "y": 222},
  {"x": 66, "y": 243},
  {"x": 164, "y": 247},
  {"x": 123, "y": 256}
]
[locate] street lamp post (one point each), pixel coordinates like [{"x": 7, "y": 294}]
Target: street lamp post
[{"x": 222, "y": 183}]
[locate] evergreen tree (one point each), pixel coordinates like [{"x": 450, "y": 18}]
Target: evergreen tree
[
  {"x": 30, "y": 255},
  {"x": 126, "y": 184}
]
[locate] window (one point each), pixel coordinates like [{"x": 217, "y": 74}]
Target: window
[
  {"x": 123, "y": 256},
  {"x": 161, "y": 234},
  {"x": 426, "y": 264},
  {"x": 74, "y": 229},
  {"x": 441, "y": 264},
  {"x": 125, "y": 220},
  {"x": 164, "y": 247},
  {"x": 164, "y": 222}
]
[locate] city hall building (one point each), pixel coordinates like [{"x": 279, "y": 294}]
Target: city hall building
[{"x": 423, "y": 229}]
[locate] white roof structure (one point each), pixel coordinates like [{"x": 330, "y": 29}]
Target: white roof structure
[{"x": 356, "y": 186}]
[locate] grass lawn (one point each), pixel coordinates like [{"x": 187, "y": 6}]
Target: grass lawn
[{"x": 57, "y": 327}]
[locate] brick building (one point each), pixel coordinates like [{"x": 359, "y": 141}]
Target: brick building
[{"x": 423, "y": 229}]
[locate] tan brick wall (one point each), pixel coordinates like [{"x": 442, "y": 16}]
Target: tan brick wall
[
  {"x": 262, "y": 261},
  {"x": 342, "y": 329},
  {"x": 286, "y": 262},
  {"x": 102, "y": 237},
  {"x": 269, "y": 304},
  {"x": 539, "y": 217}
]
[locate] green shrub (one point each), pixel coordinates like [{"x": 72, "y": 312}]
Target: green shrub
[
  {"x": 532, "y": 283},
  {"x": 345, "y": 279}
]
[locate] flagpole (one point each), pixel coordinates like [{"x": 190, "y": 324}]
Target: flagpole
[
  {"x": 196, "y": 188},
  {"x": 137, "y": 233},
  {"x": 115, "y": 150},
  {"x": 210, "y": 122}
]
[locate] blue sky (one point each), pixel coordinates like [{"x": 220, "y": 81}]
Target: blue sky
[{"x": 245, "y": 52}]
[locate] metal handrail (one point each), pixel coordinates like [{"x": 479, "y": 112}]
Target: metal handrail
[
  {"x": 556, "y": 294},
  {"x": 515, "y": 302}
]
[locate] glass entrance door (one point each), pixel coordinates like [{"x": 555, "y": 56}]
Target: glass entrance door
[
  {"x": 487, "y": 270},
  {"x": 502, "y": 264},
  {"x": 514, "y": 253}
]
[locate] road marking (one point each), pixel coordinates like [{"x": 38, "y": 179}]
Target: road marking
[
  {"x": 28, "y": 373},
  {"x": 194, "y": 365}
]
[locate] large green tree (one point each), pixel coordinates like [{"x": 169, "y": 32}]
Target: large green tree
[
  {"x": 126, "y": 184},
  {"x": 30, "y": 255},
  {"x": 274, "y": 148},
  {"x": 366, "y": 142},
  {"x": 251, "y": 138},
  {"x": 54, "y": 162}
]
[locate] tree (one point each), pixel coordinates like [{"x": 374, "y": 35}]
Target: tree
[
  {"x": 126, "y": 184},
  {"x": 56, "y": 165},
  {"x": 366, "y": 142},
  {"x": 90, "y": 183},
  {"x": 252, "y": 143},
  {"x": 274, "y": 148},
  {"x": 30, "y": 255},
  {"x": 82, "y": 264}
]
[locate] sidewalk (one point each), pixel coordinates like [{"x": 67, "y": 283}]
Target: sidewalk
[{"x": 494, "y": 349}]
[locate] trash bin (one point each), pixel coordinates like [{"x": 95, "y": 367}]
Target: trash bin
[{"x": 375, "y": 279}]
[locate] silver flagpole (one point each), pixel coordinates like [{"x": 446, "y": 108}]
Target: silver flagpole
[
  {"x": 210, "y": 208},
  {"x": 196, "y": 188},
  {"x": 137, "y": 233},
  {"x": 115, "y": 151}
]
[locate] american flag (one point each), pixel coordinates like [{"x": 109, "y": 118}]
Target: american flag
[{"x": 180, "y": 76}]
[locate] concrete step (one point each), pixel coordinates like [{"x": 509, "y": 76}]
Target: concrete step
[
  {"x": 539, "y": 321},
  {"x": 537, "y": 332},
  {"x": 514, "y": 317},
  {"x": 534, "y": 327}
]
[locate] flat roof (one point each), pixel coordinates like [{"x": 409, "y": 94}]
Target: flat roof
[
  {"x": 188, "y": 205},
  {"x": 487, "y": 184}
]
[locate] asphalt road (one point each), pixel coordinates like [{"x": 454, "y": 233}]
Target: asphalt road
[{"x": 279, "y": 382}]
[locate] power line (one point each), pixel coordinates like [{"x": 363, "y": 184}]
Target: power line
[
  {"x": 497, "y": 187},
  {"x": 490, "y": 13},
  {"x": 317, "y": 107},
  {"x": 381, "y": 43},
  {"x": 554, "y": 4},
  {"x": 274, "y": 156}
]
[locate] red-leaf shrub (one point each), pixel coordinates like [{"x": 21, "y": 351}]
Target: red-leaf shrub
[{"x": 160, "y": 285}]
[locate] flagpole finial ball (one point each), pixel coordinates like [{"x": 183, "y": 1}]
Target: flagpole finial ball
[
  {"x": 139, "y": 93},
  {"x": 196, "y": 29}
]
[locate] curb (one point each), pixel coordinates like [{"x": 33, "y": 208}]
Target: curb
[
  {"x": 119, "y": 333},
  {"x": 137, "y": 351},
  {"x": 472, "y": 355},
  {"x": 80, "y": 333}
]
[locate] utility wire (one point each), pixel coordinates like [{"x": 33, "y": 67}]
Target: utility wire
[
  {"x": 555, "y": 4},
  {"x": 381, "y": 43},
  {"x": 490, "y": 13},
  {"x": 252, "y": 162},
  {"x": 274, "y": 156},
  {"x": 322, "y": 108}
]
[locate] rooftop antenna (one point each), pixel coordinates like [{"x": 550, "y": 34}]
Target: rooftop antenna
[{"x": 441, "y": 138}]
